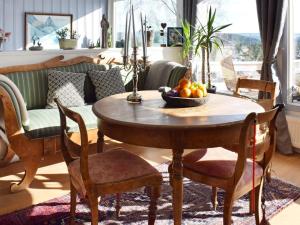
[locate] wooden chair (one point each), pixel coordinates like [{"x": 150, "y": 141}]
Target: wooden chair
[
  {"x": 266, "y": 99},
  {"x": 219, "y": 167},
  {"x": 229, "y": 74},
  {"x": 110, "y": 172}
]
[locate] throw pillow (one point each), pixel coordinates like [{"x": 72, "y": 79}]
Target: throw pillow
[
  {"x": 67, "y": 87},
  {"x": 107, "y": 82}
]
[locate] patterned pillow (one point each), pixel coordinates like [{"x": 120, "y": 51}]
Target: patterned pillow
[
  {"x": 67, "y": 87},
  {"x": 107, "y": 82}
]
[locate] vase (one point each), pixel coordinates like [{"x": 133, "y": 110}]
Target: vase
[
  {"x": 67, "y": 44},
  {"x": 150, "y": 36}
]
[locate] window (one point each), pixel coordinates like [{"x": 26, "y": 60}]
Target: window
[
  {"x": 157, "y": 12},
  {"x": 241, "y": 39},
  {"x": 294, "y": 53}
]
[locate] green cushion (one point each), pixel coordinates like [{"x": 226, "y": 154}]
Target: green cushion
[
  {"x": 33, "y": 86},
  {"x": 89, "y": 89},
  {"x": 46, "y": 122},
  {"x": 176, "y": 74}
]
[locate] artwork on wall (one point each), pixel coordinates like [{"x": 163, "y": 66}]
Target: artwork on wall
[
  {"x": 174, "y": 36},
  {"x": 44, "y": 26}
]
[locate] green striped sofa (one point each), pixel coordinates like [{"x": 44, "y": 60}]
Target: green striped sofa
[
  {"x": 43, "y": 122},
  {"x": 30, "y": 137}
]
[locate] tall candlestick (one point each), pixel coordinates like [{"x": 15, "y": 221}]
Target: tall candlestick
[
  {"x": 143, "y": 35},
  {"x": 128, "y": 32},
  {"x": 133, "y": 27},
  {"x": 125, "y": 42}
]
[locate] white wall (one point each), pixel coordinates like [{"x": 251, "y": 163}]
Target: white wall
[{"x": 86, "y": 17}]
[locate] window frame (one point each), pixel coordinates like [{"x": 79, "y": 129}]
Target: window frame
[
  {"x": 287, "y": 45},
  {"x": 111, "y": 16}
]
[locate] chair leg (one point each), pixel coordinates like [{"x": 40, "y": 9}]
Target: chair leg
[
  {"x": 170, "y": 170},
  {"x": 251, "y": 203},
  {"x": 214, "y": 197},
  {"x": 154, "y": 195},
  {"x": 228, "y": 203},
  {"x": 73, "y": 203},
  {"x": 269, "y": 175},
  {"x": 258, "y": 210},
  {"x": 118, "y": 205},
  {"x": 93, "y": 202}
]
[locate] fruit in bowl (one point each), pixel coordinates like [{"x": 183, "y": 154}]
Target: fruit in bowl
[{"x": 188, "y": 89}]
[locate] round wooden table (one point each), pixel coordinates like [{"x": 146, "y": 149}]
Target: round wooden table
[{"x": 152, "y": 124}]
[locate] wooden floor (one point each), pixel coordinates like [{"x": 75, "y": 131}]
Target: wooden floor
[{"x": 52, "y": 181}]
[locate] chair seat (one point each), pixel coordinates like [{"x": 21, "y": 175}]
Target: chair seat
[
  {"x": 111, "y": 167},
  {"x": 218, "y": 163}
]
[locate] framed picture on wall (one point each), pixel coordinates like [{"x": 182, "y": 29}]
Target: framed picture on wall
[
  {"x": 42, "y": 27},
  {"x": 174, "y": 36}
]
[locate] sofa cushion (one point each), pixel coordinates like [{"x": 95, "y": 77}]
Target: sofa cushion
[
  {"x": 68, "y": 87},
  {"x": 46, "y": 122},
  {"x": 177, "y": 73},
  {"x": 107, "y": 82},
  {"x": 33, "y": 86},
  {"x": 89, "y": 89}
]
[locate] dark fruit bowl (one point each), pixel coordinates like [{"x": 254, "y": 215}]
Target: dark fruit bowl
[{"x": 183, "y": 102}]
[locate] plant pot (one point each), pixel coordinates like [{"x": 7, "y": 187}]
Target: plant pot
[
  {"x": 150, "y": 36},
  {"x": 67, "y": 44},
  {"x": 212, "y": 89}
]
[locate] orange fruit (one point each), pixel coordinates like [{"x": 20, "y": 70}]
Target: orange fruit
[
  {"x": 185, "y": 93},
  {"x": 185, "y": 83},
  {"x": 204, "y": 90},
  {"x": 197, "y": 93}
]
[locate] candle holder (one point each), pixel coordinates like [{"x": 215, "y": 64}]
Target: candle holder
[{"x": 138, "y": 68}]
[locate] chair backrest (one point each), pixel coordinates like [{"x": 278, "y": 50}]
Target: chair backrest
[
  {"x": 268, "y": 88},
  {"x": 70, "y": 148},
  {"x": 229, "y": 74},
  {"x": 266, "y": 129}
]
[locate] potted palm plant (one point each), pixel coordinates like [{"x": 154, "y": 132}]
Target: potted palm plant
[
  {"x": 187, "y": 47},
  {"x": 206, "y": 40},
  {"x": 64, "y": 42}
]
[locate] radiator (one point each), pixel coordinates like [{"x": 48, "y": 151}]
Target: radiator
[{"x": 294, "y": 129}]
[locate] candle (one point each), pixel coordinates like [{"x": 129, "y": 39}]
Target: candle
[
  {"x": 125, "y": 42},
  {"x": 133, "y": 27},
  {"x": 128, "y": 33},
  {"x": 143, "y": 35}
]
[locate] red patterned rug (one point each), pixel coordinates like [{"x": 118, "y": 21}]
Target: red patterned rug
[{"x": 197, "y": 207}]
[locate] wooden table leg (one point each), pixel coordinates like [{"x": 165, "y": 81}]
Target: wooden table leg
[
  {"x": 100, "y": 141},
  {"x": 177, "y": 186}
]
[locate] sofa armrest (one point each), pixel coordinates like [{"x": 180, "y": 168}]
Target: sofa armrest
[{"x": 10, "y": 91}]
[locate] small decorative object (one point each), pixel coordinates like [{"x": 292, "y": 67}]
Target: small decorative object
[
  {"x": 91, "y": 45},
  {"x": 295, "y": 93},
  {"x": 186, "y": 94},
  {"x": 109, "y": 38},
  {"x": 3, "y": 36},
  {"x": 137, "y": 66},
  {"x": 38, "y": 47},
  {"x": 174, "y": 36},
  {"x": 206, "y": 39},
  {"x": 104, "y": 26},
  {"x": 67, "y": 43},
  {"x": 98, "y": 43},
  {"x": 44, "y": 26},
  {"x": 150, "y": 36},
  {"x": 162, "y": 34}
]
